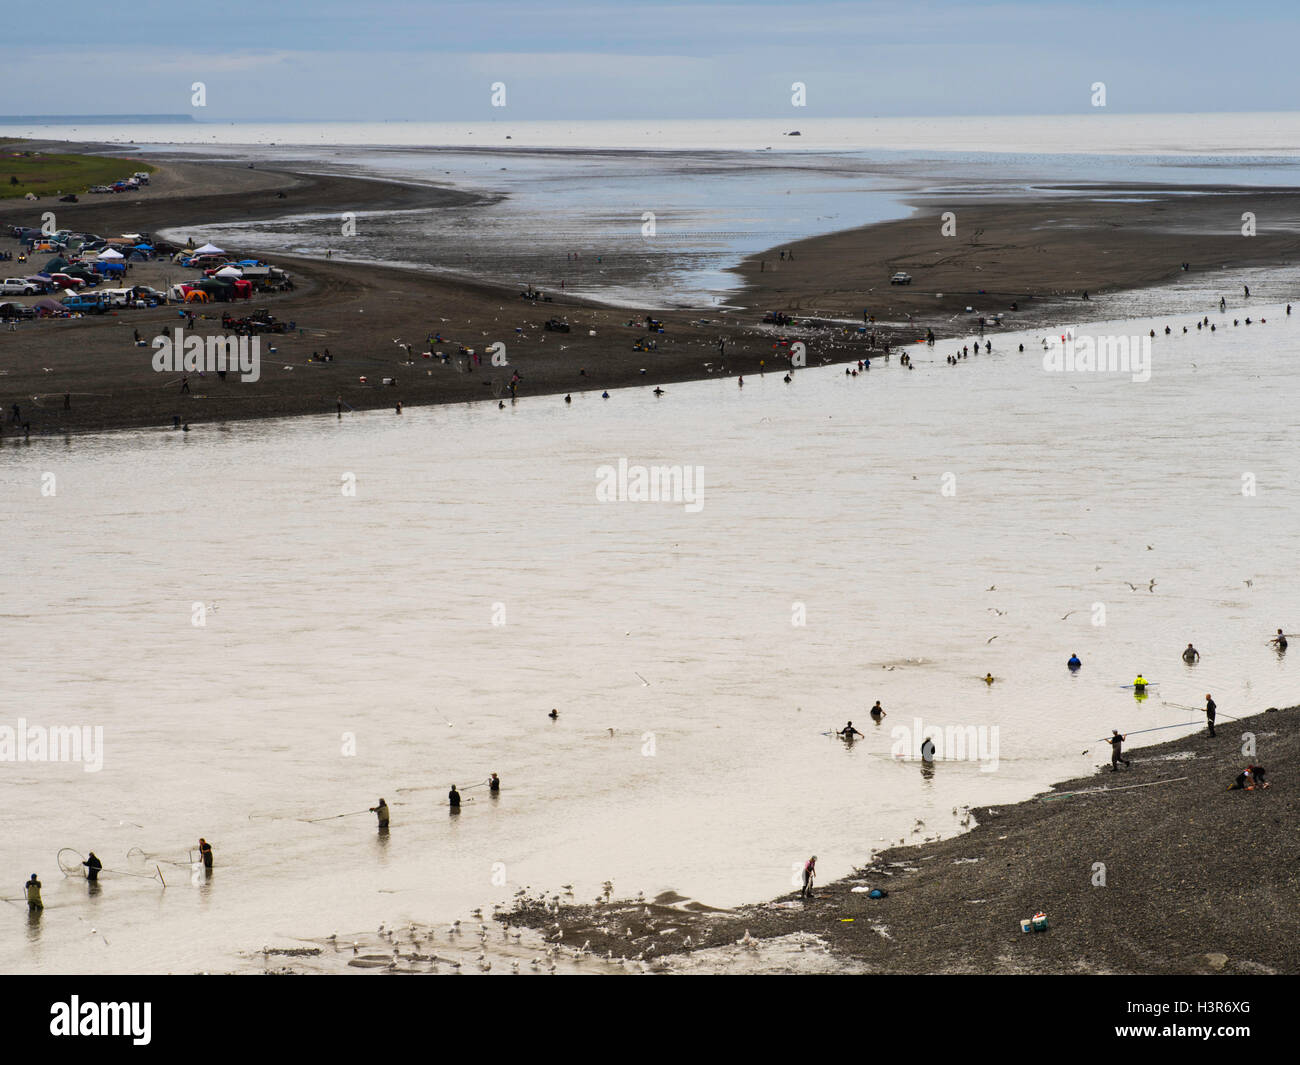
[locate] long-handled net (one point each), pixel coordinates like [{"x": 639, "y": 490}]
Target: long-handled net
[{"x": 72, "y": 863}]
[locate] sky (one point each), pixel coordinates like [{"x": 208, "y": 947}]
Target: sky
[{"x": 604, "y": 59}]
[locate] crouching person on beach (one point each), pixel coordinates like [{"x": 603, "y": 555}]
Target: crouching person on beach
[{"x": 1250, "y": 779}]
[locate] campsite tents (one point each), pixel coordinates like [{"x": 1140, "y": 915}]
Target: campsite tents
[
  {"x": 110, "y": 253},
  {"x": 209, "y": 249},
  {"x": 229, "y": 271}
]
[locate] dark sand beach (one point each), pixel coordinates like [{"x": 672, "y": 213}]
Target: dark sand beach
[
  {"x": 1034, "y": 253},
  {"x": 1197, "y": 879},
  {"x": 1038, "y": 255}
]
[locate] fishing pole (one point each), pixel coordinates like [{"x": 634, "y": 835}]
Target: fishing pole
[
  {"x": 155, "y": 875},
  {"x": 1197, "y": 710},
  {"x": 1126, "y": 787},
  {"x": 1138, "y": 732},
  {"x": 333, "y": 817}
]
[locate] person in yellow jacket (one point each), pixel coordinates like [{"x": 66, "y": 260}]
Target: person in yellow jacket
[
  {"x": 33, "y": 891},
  {"x": 1140, "y": 684}
]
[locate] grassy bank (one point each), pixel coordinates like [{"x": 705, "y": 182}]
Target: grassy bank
[{"x": 56, "y": 175}]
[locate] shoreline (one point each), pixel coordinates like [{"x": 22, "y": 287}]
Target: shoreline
[
  {"x": 1186, "y": 877},
  {"x": 1046, "y": 254}
]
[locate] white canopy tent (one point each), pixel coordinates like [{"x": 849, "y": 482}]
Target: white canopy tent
[
  {"x": 209, "y": 249},
  {"x": 109, "y": 253},
  {"x": 230, "y": 271}
]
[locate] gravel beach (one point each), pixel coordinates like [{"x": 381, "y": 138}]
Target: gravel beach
[{"x": 1156, "y": 869}]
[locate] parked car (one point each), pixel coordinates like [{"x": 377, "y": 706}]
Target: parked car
[
  {"x": 10, "y": 311},
  {"x": 901, "y": 278},
  {"x": 100, "y": 188},
  {"x": 149, "y": 295},
  {"x": 17, "y": 286},
  {"x": 68, "y": 281},
  {"x": 89, "y": 304}
]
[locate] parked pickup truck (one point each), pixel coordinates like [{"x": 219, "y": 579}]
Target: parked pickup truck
[
  {"x": 16, "y": 286},
  {"x": 90, "y": 304},
  {"x": 901, "y": 278}
]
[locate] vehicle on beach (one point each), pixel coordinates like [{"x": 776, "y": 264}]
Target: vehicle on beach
[
  {"x": 68, "y": 281},
  {"x": 777, "y": 318},
  {"x": 12, "y": 311},
  {"x": 557, "y": 325},
  {"x": 90, "y": 304},
  {"x": 17, "y": 286},
  {"x": 901, "y": 278},
  {"x": 149, "y": 295},
  {"x": 100, "y": 188}
]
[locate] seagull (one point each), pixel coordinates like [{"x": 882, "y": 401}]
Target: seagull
[
  {"x": 1064, "y": 616},
  {"x": 989, "y": 640}
]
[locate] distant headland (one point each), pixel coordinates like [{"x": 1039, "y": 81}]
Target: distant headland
[{"x": 91, "y": 120}]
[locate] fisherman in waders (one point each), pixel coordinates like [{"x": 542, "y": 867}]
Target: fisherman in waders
[
  {"x": 1116, "y": 742},
  {"x": 927, "y": 751},
  {"x": 1191, "y": 655},
  {"x": 93, "y": 866},
  {"x": 1280, "y": 640},
  {"x": 32, "y": 889},
  {"x": 1140, "y": 685},
  {"x": 494, "y": 784},
  {"x": 453, "y": 798},
  {"x": 1073, "y": 664},
  {"x": 848, "y": 732},
  {"x": 876, "y": 712},
  {"x": 809, "y": 873},
  {"x": 381, "y": 812},
  {"x": 1210, "y": 707},
  {"x": 205, "y": 852}
]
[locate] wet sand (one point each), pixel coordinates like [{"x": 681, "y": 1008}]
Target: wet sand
[{"x": 1198, "y": 879}]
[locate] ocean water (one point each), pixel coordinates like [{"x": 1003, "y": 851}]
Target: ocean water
[
  {"x": 1097, "y": 132},
  {"x": 890, "y": 536}
]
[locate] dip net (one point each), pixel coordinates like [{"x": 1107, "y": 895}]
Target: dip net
[{"x": 70, "y": 862}]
